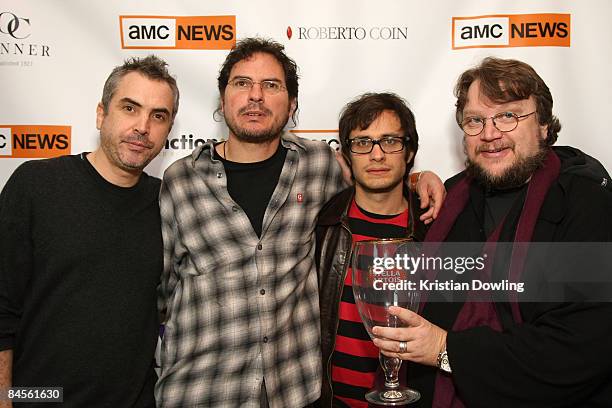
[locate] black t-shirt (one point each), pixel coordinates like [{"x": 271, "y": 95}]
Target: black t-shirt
[
  {"x": 251, "y": 184},
  {"x": 497, "y": 203}
]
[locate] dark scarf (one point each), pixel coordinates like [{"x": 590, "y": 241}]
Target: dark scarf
[{"x": 483, "y": 313}]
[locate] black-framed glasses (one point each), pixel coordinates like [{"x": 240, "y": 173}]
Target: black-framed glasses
[
  {"x": 388, "y": 144},
  {"x": 504, "y": 122},
  {"x": 269, "y": 86}
]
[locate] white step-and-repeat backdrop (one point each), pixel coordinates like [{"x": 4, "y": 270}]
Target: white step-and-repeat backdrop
[{"x": 56, "y": 54}]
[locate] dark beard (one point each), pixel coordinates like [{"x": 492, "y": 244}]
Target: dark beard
[
  {"x": 515, "y": 176},
  {"x": 255, "y": 137}
]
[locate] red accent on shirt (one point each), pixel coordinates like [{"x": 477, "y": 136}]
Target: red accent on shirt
[
  {"x": 401, "y": 220},
  {"x": 350, "y": 313},
  {"x": 357, "y": 237},
  {"x": 346, "y": 375},
  {"x": 356, "y": 347}
]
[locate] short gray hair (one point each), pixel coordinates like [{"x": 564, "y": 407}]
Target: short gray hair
[{"x": 151, "y": 67}]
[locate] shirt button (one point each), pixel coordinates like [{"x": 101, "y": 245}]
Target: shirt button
[
  {"x": 219, "y": 175},
  {"x": 265, "y": 339},
  {"x": 259, "y": 246},
  {"x": 263, "y": 291},
  {"x": 235, "y": 208}
]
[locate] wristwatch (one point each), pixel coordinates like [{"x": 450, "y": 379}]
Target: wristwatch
[
  {"x": 414, "y": 180},
  {"x": 443, "y": 363}
]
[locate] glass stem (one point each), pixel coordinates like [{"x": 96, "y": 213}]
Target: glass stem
[{"x": 391, "y": 366}]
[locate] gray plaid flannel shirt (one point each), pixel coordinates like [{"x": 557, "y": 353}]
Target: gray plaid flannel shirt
[{"x": 240, "y": 308}]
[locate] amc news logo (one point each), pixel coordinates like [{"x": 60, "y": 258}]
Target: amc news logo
[
  {"x": 34, "y": 141},
  {"x": 513, "y": 30},
  {"x": 186, "y": 33}
]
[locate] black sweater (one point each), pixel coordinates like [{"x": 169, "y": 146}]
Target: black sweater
[{"x": 81, "y": 259}]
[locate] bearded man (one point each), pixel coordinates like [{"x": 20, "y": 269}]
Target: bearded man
[{"x": 516, "y": 193}]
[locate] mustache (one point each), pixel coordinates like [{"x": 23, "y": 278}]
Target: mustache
[
  {"x": 254, "y": 106},
  {"x": 495, "y": 146},
  {"x": 142, "y": 139}
]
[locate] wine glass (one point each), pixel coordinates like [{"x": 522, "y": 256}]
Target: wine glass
[{"x": 380, "y": 280}]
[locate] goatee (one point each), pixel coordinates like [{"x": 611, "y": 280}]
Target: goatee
[
  {"x": 255, "y": 137},
  {"x": 515, "y": 176},
  {"x": 261, "y": 136}
]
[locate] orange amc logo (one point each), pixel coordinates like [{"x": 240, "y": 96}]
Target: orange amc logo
[
  {"x": 34, "y": 141},
  {"x": 185, "y": 33},
  {"x": 512, "y": 30}
]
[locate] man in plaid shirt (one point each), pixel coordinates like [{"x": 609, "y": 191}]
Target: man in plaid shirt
[{"x": 239, "y": 287}]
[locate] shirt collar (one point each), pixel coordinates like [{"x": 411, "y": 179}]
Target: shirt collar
[{"x": 288, "y": 140}]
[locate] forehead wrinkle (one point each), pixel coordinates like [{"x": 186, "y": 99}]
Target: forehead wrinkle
[{"x": 512, "y": 106}]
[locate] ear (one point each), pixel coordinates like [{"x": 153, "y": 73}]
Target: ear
[
  {"x": 409, "y": 157},
  {"x": 292, "y": 105},
  {"x": 100, "y": 115},
  {"x": 222, "y": 104},
  {"x": 347, "y": 171},
  {"x": 347, "y": 159},
  {"x": 544, "y": 132}
]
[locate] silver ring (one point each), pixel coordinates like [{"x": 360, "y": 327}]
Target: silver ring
[{"x": 403, "y": 346}]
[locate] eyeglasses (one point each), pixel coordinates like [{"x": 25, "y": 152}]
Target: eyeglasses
[
  {"x": 269, "y": 86},
  {"x": 504, "y": 122},
  {"x": 389, "y": 144}
]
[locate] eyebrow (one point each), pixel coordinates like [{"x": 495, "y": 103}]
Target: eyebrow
[
  {"x": 384, "y": 135},
  {"x": 130, "y": 100},
  {"x": 507, "y": 107},
  {"x": 251, "y": 79},
  {"x": 133, "y": 102}
]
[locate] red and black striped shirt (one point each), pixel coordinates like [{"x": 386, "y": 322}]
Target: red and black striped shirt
[{"x": 355, "y": 357}]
